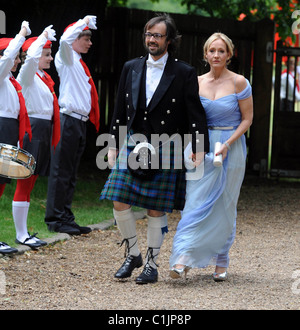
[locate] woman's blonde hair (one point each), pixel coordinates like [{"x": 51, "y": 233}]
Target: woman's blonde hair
[{"x": 216, "y": 36}]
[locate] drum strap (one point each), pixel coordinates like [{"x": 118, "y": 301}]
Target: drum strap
[{"x": 24, "y": 122}]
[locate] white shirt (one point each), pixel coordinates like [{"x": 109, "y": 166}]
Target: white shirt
[
  {"x": 75, "y": 90},
  {"x": 291, "y": 84},
  {"x": 9, "y": 100},
  {"x": 38, "y": 97},
  {"x": 153, "y": 76}
]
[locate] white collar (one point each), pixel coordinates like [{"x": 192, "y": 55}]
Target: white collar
[{"x": 163, "y": 59}]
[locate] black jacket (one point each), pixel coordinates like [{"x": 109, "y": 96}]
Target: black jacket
[{"x": 174, "y": 108}]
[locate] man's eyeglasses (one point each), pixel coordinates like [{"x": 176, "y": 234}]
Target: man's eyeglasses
[{"x": 156, "y": 36}]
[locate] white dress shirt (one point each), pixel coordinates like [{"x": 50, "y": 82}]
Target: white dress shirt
[
  {"x": 38, "y": 97},
  {"x": 9, "y": 100},
  {"x": 154, "y": 75},
  {"x": 75, "y": 90},
  {"x": 291, "y": 84}
]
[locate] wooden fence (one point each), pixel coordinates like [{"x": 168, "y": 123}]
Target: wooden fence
[
  {"x": 119, "y": 38},
  {"x": 286, "y": 121}
]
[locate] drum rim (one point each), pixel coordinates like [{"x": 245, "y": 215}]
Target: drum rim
[{"x": 29, "y": 167}]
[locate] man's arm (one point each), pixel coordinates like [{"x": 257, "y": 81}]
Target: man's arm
[{"x": 196, "y": 114}]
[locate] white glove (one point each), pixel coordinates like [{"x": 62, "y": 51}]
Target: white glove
[
  {"x": 51, "y": 33},
  {"x": 92, "y": 22},
  {"x": 25, "y": 25}
]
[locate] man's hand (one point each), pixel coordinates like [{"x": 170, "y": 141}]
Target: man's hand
[
  {"x": 197, "y": 158},
  {"x": 112, "y": 156}
]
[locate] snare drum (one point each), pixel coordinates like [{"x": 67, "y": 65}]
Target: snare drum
[{"x": 15, "y": 163}]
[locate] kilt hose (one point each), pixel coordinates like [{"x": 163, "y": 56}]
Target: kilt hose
[{"x": 165, "y": 191}]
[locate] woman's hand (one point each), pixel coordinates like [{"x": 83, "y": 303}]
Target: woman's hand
[{"x": 223, "y": 151}]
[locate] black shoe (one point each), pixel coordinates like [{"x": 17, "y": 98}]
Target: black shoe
[
  {"x": 6, "y": 249},
  {"x": 39, "y": 241},
  {"x": 148, "y": 275},
  {"x": 63, "y": 228},
  {"x": 83, "y": 230},
  {"x": 31, "y": 245},
  {"x": 129, "y": 265}
]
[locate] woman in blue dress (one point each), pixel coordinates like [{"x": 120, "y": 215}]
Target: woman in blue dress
[{"x": 206, "y": 230}]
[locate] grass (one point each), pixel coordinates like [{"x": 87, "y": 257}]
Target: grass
[{"x": 87, "y": 207}]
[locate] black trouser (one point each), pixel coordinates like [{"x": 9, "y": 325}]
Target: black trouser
[{"x": 64, "y": 165}]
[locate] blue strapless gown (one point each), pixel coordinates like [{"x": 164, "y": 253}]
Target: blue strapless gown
[{"x": 206, "y": 230}]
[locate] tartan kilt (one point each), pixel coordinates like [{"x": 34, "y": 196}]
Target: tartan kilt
[{"x": 164, "y": 192}]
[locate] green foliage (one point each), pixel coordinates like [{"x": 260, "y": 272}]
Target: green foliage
[
  {"x": 170, "y": 6},
  {"x": 278, "y": 10},
  {"x": 117, "y": 3}
]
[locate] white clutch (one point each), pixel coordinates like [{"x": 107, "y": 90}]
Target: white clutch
[{"x": 218, "y": 160}]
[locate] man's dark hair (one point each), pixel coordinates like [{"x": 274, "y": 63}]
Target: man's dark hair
[{"x": 172, "y": 33}]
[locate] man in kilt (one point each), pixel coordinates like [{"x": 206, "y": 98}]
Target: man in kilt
[{"x": 157, "y": 95}]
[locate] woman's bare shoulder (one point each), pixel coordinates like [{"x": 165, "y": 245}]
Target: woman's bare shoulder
[
  {"x": 240, "y": 83},
  {"x": 202, "y": 77}
]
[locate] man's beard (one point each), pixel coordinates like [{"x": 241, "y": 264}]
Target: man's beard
[{"x": 159, "y": 50}]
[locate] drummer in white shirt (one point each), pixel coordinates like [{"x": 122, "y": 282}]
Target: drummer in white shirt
[
  {"x": 76, "y": 108},
  {"x": 40, "y": 100},
  {"x": 9, "y": 100}
]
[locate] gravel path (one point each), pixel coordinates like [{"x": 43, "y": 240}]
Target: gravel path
[{"x": 78, "y": 273}]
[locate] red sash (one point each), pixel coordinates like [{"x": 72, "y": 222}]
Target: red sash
[
  {"x": 95, "y": 112},
  {"x": 24, "y": 122},
  {"x": 56, "y": 120}
]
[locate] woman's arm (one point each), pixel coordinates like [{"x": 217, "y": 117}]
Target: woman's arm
[{"x": 246, "y": 108}]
